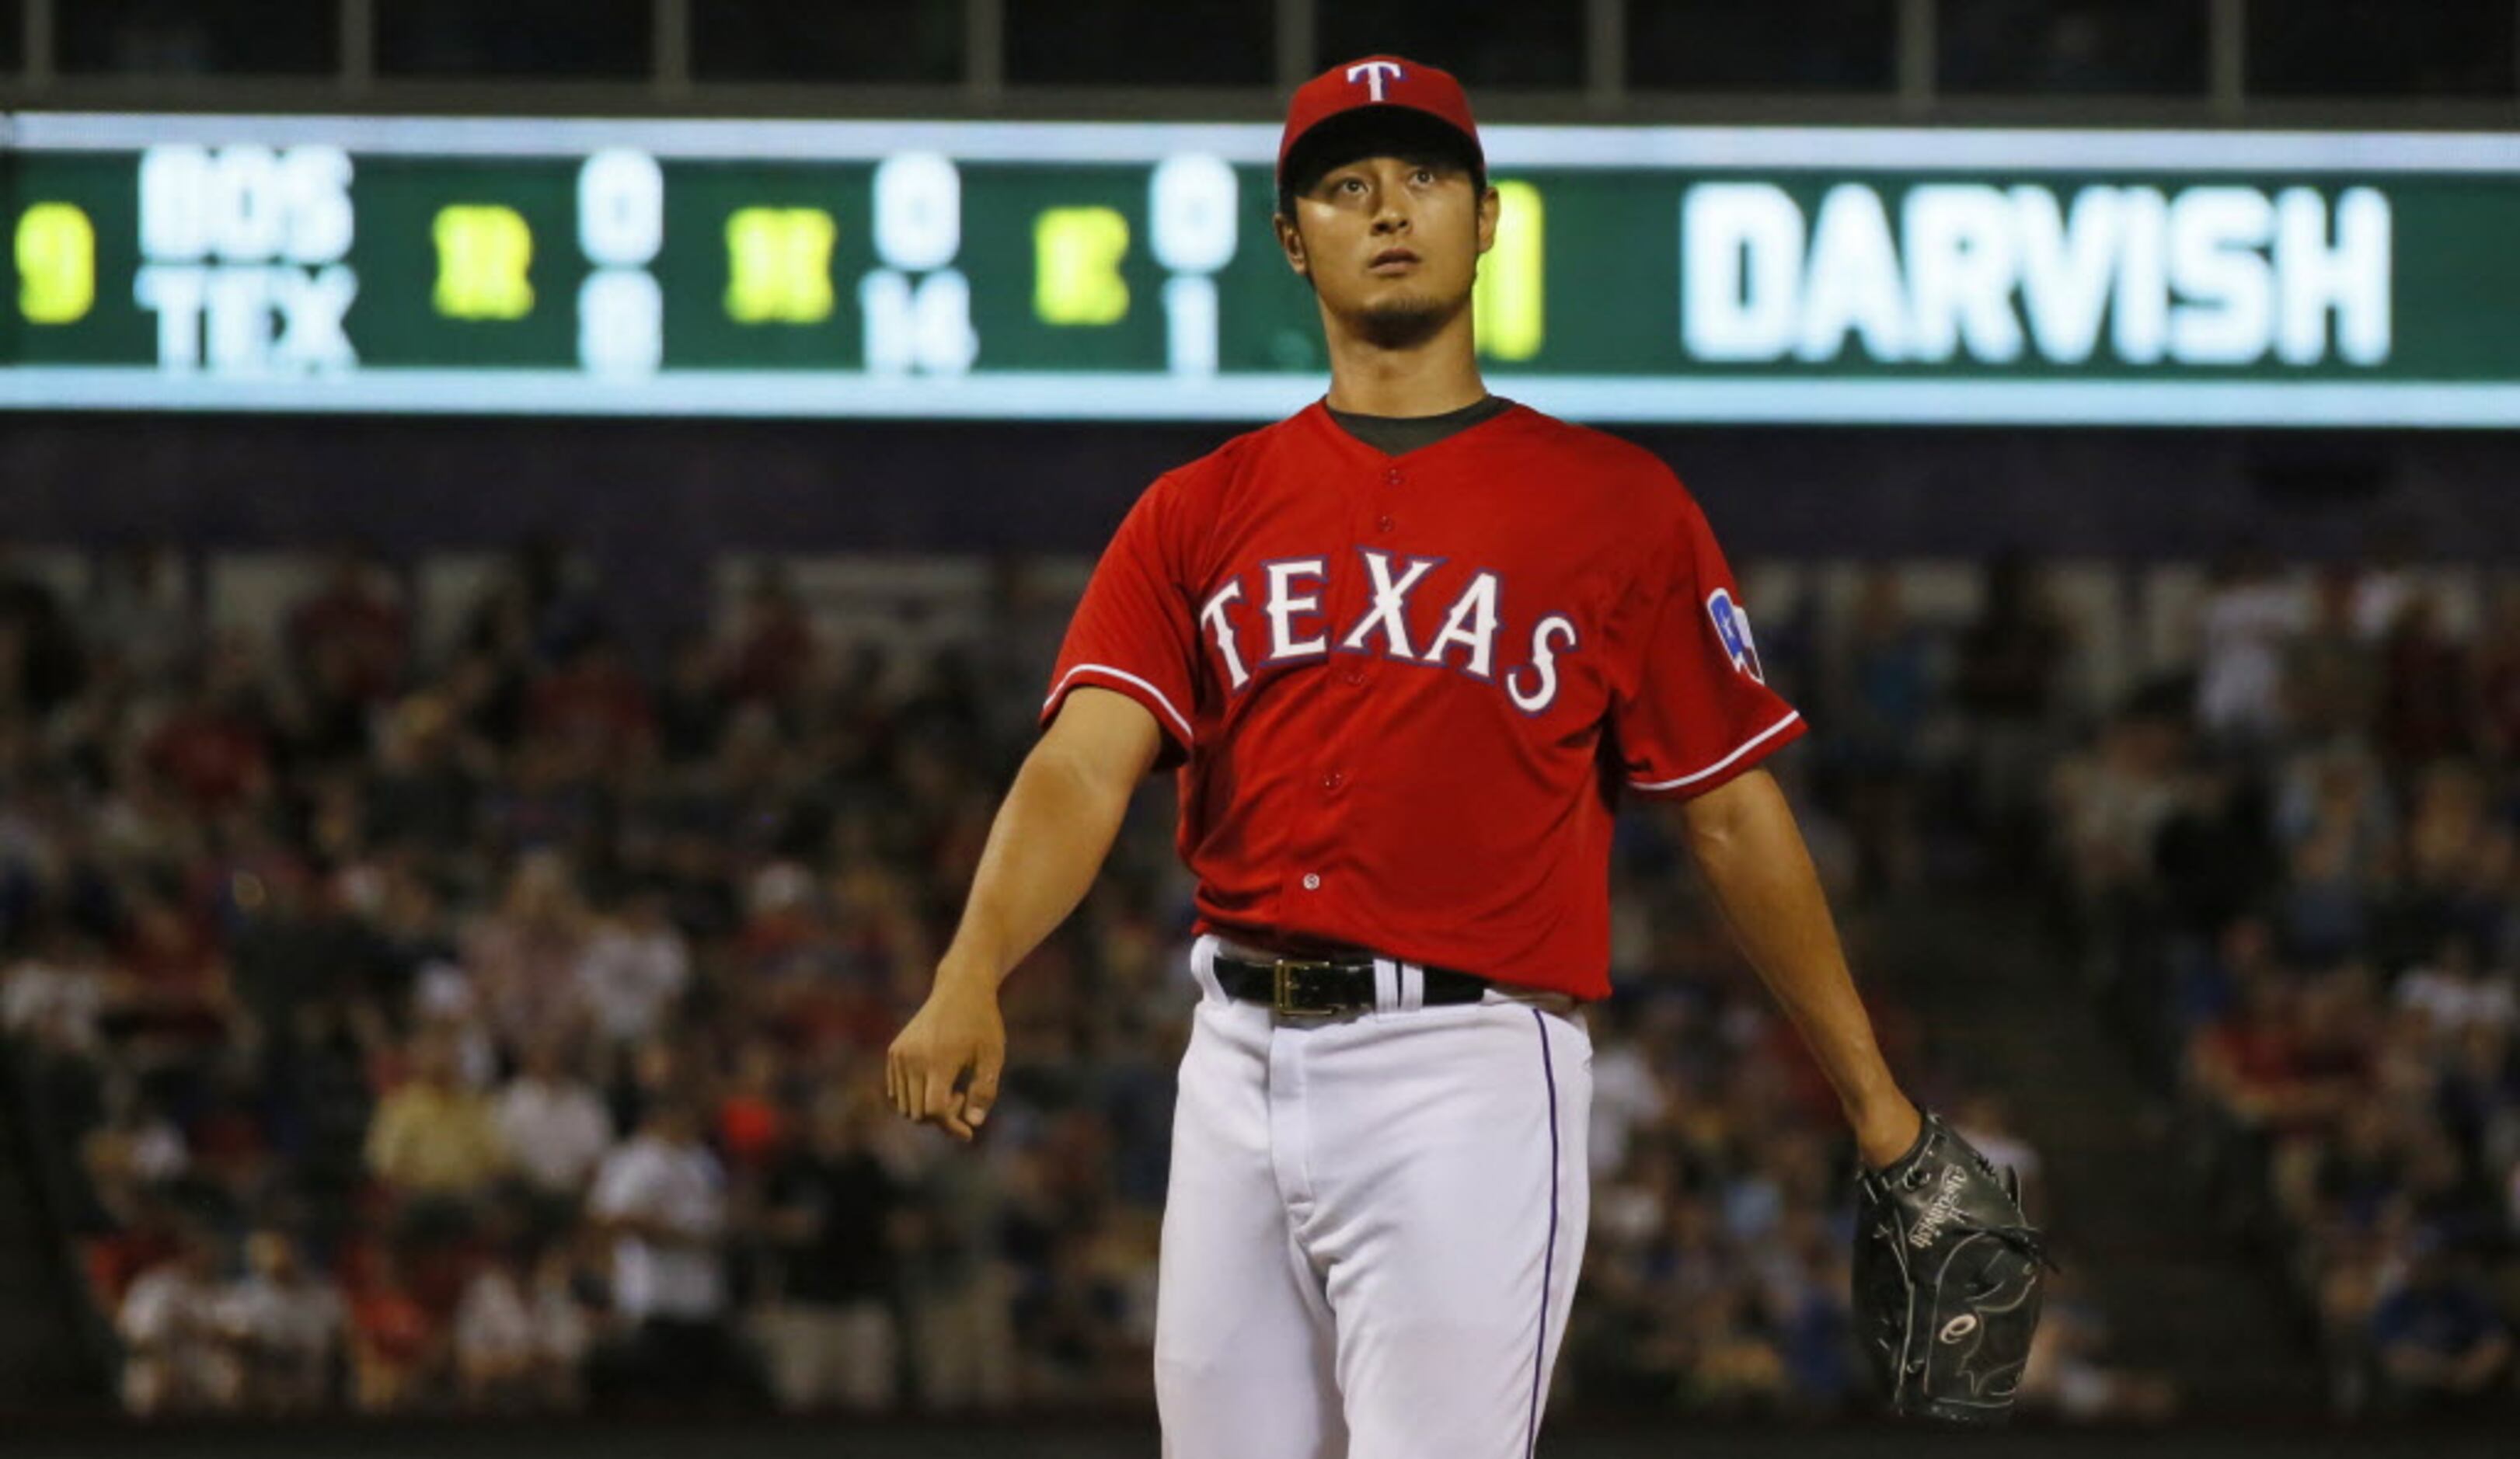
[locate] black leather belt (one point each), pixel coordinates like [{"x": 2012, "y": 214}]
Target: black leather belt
[{"x": 1320, "y": 987}]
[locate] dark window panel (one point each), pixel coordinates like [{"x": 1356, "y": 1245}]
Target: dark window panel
[
  {"x": 865, "y": 40},
  {"x": 1776, "y": 45},
  {"x": 2108, "y": 47},
  {"x": 1484, "y": 42},
  {"x": 1141, "y": 42},
  {"x": 13, "y": 35},
  {"x": 461, "y": 39},
  {"x": 2380, "y": 48},
  {"x": 194, "y": 38}
]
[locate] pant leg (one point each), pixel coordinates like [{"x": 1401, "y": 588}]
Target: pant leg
[
  {"x": 1244, "y": 1346},
  {"x": 862, "y": 1353},
  {"x": 788, "y": 1354},
  {"x": 1448, "y": 1147}
]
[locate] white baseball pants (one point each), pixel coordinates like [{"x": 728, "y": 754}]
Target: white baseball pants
[{"x": 1373, "y": 1227}]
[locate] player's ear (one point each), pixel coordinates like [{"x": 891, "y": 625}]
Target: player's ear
[
  {"x": 1490, "y": 205},
  {"x": 1290, "y": 242}
]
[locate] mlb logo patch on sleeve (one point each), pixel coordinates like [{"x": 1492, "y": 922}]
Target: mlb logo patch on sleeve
[{"x": 1732, "y": 627}]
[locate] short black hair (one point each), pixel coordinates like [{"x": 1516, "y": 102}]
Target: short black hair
[{"x": 1374, "y": 131}]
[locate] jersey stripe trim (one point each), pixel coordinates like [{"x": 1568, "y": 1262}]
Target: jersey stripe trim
[
  {"x": 1188, "y": 737},
  {"x": 1748, "y": 746},
  {"x": 1548, "y": 1251}
]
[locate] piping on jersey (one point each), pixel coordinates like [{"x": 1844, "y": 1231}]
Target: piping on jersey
[
  {"x": 1748, "y": 746},
  {"x": 1548, "y": 1253},
  {"x": 1189, "y": 736}
]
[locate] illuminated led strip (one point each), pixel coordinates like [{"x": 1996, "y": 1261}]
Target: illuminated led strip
[
  {"x": 1225, "y": 398},
  {"x": 1892, "y": 149}
]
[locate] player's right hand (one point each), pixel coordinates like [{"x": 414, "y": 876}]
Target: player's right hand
[{"x": 957, "y": 1033}]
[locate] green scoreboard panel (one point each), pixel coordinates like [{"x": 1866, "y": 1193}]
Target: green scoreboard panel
[{"x": 1127, "y": 271}]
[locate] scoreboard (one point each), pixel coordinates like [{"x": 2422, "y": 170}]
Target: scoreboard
[{"x": 1127, "y": 271}]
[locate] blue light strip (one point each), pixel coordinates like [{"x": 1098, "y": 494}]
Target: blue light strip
[
  {"x": 1232, "y": 398},
  {"x": 1886, "y": 149}
]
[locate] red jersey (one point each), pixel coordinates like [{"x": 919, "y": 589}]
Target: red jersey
[{"x": 1404, "y": 692}]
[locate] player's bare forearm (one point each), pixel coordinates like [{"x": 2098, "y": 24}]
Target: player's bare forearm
[
  {"x": 1047, "y": 841},
  {"x": 1746, "y": 842},
  {"x": 1051, "y": 835}
]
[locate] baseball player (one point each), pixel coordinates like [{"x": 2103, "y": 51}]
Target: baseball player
[{"x": 1406, "y": 651}]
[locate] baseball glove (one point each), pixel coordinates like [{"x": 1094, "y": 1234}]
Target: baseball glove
[{"x": 1946, "y": 1279}]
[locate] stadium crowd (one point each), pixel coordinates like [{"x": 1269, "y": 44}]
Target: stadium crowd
[
  {"x": 498, "y": 1029},
  {"x": 2295, "y": 875}
]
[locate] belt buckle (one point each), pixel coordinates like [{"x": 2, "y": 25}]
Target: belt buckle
[{"x": 1281, "y": 987}]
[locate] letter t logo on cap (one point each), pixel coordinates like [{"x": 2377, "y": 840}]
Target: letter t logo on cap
[{"x": 1373, "y": 72}]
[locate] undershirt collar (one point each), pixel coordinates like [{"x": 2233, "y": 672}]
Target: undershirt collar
[{"x": 1396, "y": 435}]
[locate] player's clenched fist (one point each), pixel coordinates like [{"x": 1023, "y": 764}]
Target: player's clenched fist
[{"x": 957, "y": 1033}]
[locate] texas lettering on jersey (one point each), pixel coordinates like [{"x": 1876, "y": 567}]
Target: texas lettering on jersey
[
  {"x": 1464, "y": 640},
  {"x": 1403, "y": 693}
]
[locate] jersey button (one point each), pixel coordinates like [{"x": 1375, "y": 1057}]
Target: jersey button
[
  {"x": 1334, "y": 780},
  {"x": 1382, "y": 523},
  {"x": 1312, "y": 881},
  {"x": 1392, "y": 477},
  {"x": 1351, "y": 676}
]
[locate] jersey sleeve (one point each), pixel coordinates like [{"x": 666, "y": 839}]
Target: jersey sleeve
[
  {"x": 1134, "y": 632},
  {"x": 1694, "y": 709}
]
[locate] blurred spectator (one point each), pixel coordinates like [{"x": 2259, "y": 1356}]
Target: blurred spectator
[
  {"x": 2442, "y": 1345},
  {"x": 287, "y": 1325},
  {"x": 139, "y": 608},
  {"x": 528, "y": 960},
  {"x": 2113, "y": 799},
  {"x": 1985, "y": 1119},
  {"x": 775, "y": 641},
  {"x": 400, "y": 1351},
  {"x": 691, "y": 704},
  {"x": 556, "y": 1129},
  {"x": 2497, "y": 672},
  {"x": 2067, "y": 1374},
  {"x": 593, "y": 705},
  {"x": 175, "y": 1355},
  {"x": 214, "y": 747},
  {"x": 833, "y": 1340},
  {"x": 2249, "y": 618},
  {"x": 634, "y": 969},
  {"x": 2331, "y": 673},
  {"x": 751, "y": 1125},
  {"x": 521, "y": 1334},
  {"x": 435, "y": 1138},
  {"x": 347, "y": 640},
  {"x": 958, "y": 1289},
  {"x": 40, "y": 662},
  {"x": 2009, "y": 662},
  {"x": 2427, "y": 686},
  {"x": 1892, "y": 676},
  {"x": 661, "y": 1198},
  {"x": 425, "y": 792}
]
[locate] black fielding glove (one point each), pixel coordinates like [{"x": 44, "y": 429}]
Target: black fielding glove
[{"x": 1947, "y": 1279}]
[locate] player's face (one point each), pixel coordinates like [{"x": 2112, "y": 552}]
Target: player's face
[{"x": 1391, "y": 242}]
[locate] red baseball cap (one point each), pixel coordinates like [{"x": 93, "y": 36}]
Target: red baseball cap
[{"x": 1391, "y": 84}]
